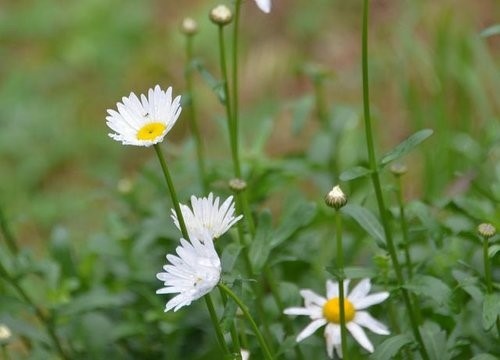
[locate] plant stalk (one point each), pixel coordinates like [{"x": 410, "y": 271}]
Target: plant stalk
[{"x": 340, "y": 265}]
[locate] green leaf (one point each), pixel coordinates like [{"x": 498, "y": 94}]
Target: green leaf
[
  {"x": 391, "y": 347},
  {"x": 355, "y": 173},
  {"x": 491, "y": 31},
  {"x": 231, "y": 307},
  {"x": 435, "y": 341},
  {"x": 357, "y": 272},
  {"x": 367, "y": 221},
  {"x": 491, "y": 310},
  {"x": 493, "y": 250},
  {"x": 296, "y": 218},
  {"x": 261, "y": 245},
  {"x": 300, "y": 113},
  {"x": 484, "y": 356},
  {"x": 406, "y": 146},
  {"x": 430, "y": 287},
  {"x": 229, "y": 256},
  {"x": 216, "y": 85}
]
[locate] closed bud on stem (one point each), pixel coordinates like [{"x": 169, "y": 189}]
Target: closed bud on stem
[
  {"x": 237, "y": 185},
  {"x": 189, "y": 26},
  {"x": 221, "y": 15},
  {"x": 486, "y": 230},
  {"x": 398, "y": 169},
  {"x": 336, "y": 198}
]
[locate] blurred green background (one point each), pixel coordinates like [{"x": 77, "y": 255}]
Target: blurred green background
[{"x": 63, "y": 63}]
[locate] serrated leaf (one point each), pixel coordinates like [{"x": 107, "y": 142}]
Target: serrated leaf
[
  {"x": 491, "y": 310},
  {"x": 261, "y": 244},
  {"x": 435, "y": 341},
  {"x": 355, "y": 173},
  {"x": 406, "y": 146},
  {"x": 493, "y": 250},
  {"x": 391, "y": 347},
  {"x": 430, "y": 287},
  {"x": 367, "y": 221}
]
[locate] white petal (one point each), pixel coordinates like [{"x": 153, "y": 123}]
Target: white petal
[
  {"x": 359, "y": 335},
  {"x": 370, "y": 300},
  {"x": 264, "y": 5},
  {"x": 332, "y": 288},
  {"x": 310, "y": 311},
  {"x": 360, "y": 290},
  {"x": 310, "y": 329},
  {"x": 311, "y": 298},
  {"x": 333, "y": 339},
  {"x": 366, "y": 320}
]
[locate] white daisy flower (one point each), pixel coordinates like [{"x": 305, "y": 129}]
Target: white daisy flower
[
  {"x": 326, "y": 311},
  {"x": 264, "y": 5},
  {"x": 144, "y": 122},
  {"x": 245, "y": 354},
  {"x": 207, "y": 216},
  {"x": 192, "y": 273}
]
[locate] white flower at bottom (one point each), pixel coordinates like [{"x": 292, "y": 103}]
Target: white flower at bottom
[
  {"x": 264, "y": 5},
  {"x": 192, "y": 273},
  {"x": 326, "y": 311},
  {"x": 144, "y": 122},
  {"x": 207, "y": 216}
]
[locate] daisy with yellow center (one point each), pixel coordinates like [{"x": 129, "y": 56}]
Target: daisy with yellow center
[
  {"x": 144, "y": 122},
  {"x": 326, "y": 311}
]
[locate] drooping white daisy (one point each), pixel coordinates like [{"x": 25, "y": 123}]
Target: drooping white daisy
[
  {"x": 264, "y": 5},
  {"x": 192, "y": 273},
  {"x": 144, "y": 122},
  {"x": 326, "y": 311},
  {"x": 207, "y": 216}
]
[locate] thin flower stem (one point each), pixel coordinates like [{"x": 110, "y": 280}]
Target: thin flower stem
[
  {"x": 215, "y": 322},
  {"x": 9, "y": 237},
  {"x": 171, "y": 189},
  {"x": 46, "y": 320},
  {"x": 487, "y": 266},
  {"x": 233, "y": 330},
  {"x": 237, "y": 11},
  {"x": 244, "y": 309},
  {"x": 192, "y": 113},
  {"x": 340, "y": 265},
  {"x": 404, "y": 226},
  {"x": 378, "y": 189}
]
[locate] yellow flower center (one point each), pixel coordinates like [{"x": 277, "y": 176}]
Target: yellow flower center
[
  {"x": 331, "y": 310},
  {"x": 151, "y": 131}
]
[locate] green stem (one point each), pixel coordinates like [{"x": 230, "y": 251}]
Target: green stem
[
  {"x": 5, "y": 353},
  {"x": 192, "y": 113},
  {"x": 9, "y": 237},
  {"x": 171, "y": 189},
  {"x": 237, "y": 12},
  {"x": 233, "y": 330},
  {"x": 487, "y": 266},
  {"x": 247, "y": 314},
  {"x": 378, "y": 189},
  {"x": 340, "y": 265},
  {"x": 404, "y": 227},
  {"x": 247, "y": 213},
  {"x": 215, "y": 322},
  {"x": 47, "y": 321}
]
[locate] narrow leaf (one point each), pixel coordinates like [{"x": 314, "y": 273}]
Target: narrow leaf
[
  {"x": 490, "y": 31},
  {"x": 261, "y": 245},
  {"x": 216, "y": 85},
  {"x": 406, "y": 146},
  {"x": 367, "y": 221},
  {"x": 491, "y": 310},
  {"x": 355, "y": 173},
  {"x": 484, "y": 356},
  {"x": 430, "y": 287},
  {"x": 297, "y": 217},
  {"x": 391, "y": 347},
  {"x": 493, "y": 250}
]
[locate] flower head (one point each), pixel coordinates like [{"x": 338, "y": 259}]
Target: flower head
[
  {"x": 144, "y": 122},
  {"x": 221, "y": 15},
  {"x": 207, "y": 216},
  {"x": 336, "y": 198},
  {"x": 192, "y": 273},
  {"x": 264, "y": 5},
  {"x": 326, "y": 311}
]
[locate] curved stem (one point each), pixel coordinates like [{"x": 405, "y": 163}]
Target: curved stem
[
  {"x": 215, "y": 322},
  {"x": 171, "y": 189},
  {"x": 340, "y": 265},
  {"x": 487, "y": 266},
  {"x": 192, "y": 113},
  {"x": 247, "y": 314},
  {"x": 378, "y": 189}
]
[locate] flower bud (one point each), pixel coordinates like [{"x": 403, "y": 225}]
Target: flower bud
[
  {"x": 336, "y": 198},
  {"x": 5, "y": 333},
  {"x": 237, "y": 185},
  {"x": 221, "y": 15},
  {"x": 125, "y": 186},
  {"x": 486, "y": 230},
  {"x": 189, "y": 26},
  {"x": 398, "y": 169}
]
